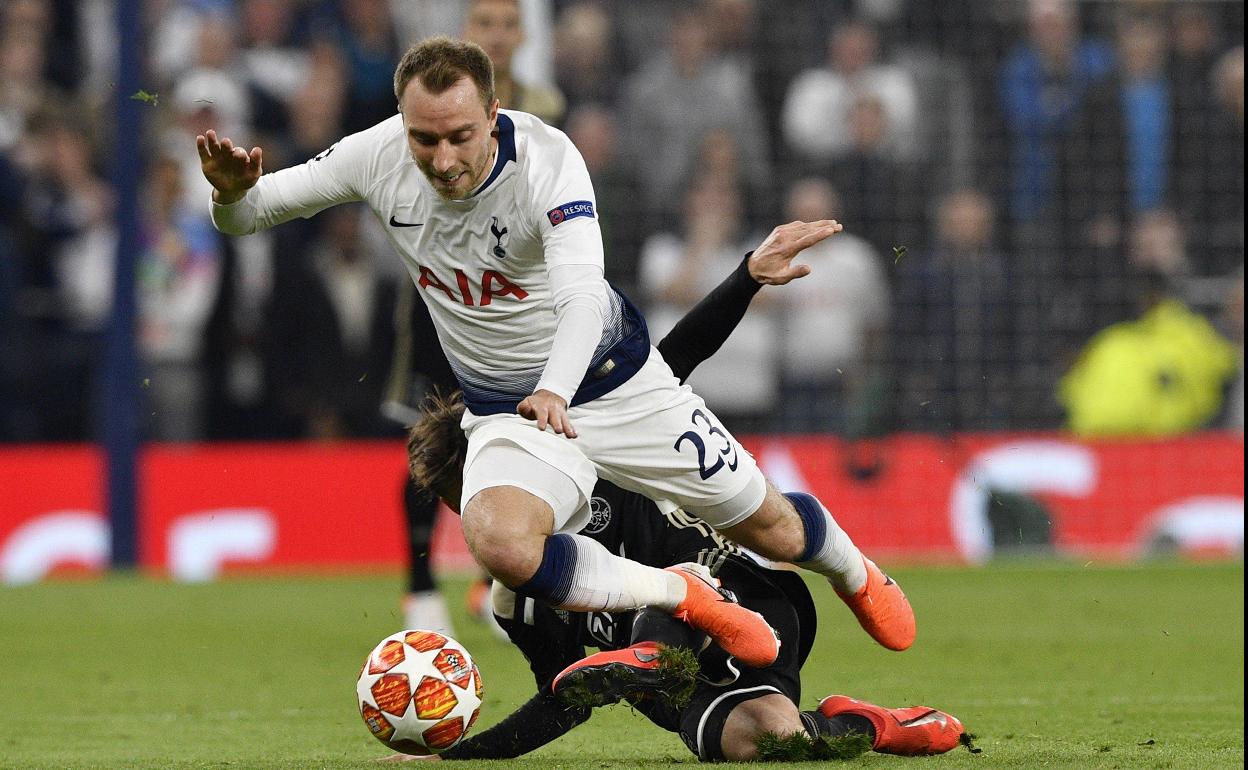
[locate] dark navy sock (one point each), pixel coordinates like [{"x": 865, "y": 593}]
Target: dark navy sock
[
  {"x": 814, "y": 521},
  {"x": 552, "y": 582}
]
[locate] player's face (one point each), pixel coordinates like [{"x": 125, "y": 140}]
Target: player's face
[
  {"x": 495, "y": 26},
  {"x": 450, "y": 135}
]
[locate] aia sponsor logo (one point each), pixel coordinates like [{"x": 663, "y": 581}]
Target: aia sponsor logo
[{"x": 492, "y": 285}]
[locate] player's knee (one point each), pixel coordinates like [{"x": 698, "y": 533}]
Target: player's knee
[
  {"x": 753, "y": 718},
  {"x": 774, "y": 530},
  {"x": 506, "y": 529}
]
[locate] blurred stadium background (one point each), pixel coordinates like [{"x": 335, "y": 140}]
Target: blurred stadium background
[{"x": 1029, "y": 338}]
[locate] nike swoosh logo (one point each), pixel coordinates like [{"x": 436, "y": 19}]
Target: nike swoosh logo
[
  {"x": 396, "y": 223},
  {"x": 934, "y": 717},
  {"x": 888, "y": 581}
]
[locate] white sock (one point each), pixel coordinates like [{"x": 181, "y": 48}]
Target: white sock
[
  {"x": 577, "y": 573},
  {"x": 829, "y": 551},
  {"x": 426, "y": 610}
]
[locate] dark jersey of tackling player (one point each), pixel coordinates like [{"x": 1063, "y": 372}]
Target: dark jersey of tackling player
[{"x": 551, "y": 640}]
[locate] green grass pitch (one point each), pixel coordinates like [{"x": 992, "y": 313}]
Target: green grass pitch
[{"x": 1050, "y": 664}]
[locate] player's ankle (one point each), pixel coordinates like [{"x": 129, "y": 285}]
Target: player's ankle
[{"x": 675, "y": 589}]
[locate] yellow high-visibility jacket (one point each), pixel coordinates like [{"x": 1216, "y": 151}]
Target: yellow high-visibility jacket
[{"x": 1161, "y": 374}]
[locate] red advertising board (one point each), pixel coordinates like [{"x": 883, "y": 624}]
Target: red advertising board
[{"x": 205, "y": 509}]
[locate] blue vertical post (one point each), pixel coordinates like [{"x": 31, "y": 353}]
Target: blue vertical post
[{"x": 120, "y": 401}]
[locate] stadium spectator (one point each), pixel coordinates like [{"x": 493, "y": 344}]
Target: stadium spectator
[
  {"x": 1044, "y": 82},
  {"x": 788, "y": 37},
  {"x": 587, "y": 65},
  {"x": 679, "y": 96},
  {"x": 1118, "y": 158},
  {"x": 880, "y": 201},
  {"x": 238, "y": 346},
  {"x": 951, "y": 340},
  {"x": 1193, "y": 53},
  {"x": 1164, "y": 372},
  {"x": 335, "y": 329},
  {"x": 275, "y": 68},
  {"x": 175, "y": 40},
  {"x": 832, "y": 325},
  {"x": 495, "y": 26},
  {"x": 22, "y": 88},
  {"x": 819, "y": 102},
  {"x": 594, "y": 131},
  {"x": 178, "y": 274},
  {"x": 317, "y": 111},
  {"x": 365, "y": 31},
  {"x": 678, "y": 267},
  {"x": 1221, "y": 194},
  {"x": 58, "y": 272}
]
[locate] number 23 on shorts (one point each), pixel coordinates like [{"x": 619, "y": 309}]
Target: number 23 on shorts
[{"x": 723, "y": 448}]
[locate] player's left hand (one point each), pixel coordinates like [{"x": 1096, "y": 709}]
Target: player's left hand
[
  {"x": 772, "y": 262},
  {"x": 548, "y": 409}
]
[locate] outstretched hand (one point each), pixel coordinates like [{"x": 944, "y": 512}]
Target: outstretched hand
[
  {"x": 231, "y": 170},
  {"x": 772, "y": 262},
  {"x": 547, "y": 409}
]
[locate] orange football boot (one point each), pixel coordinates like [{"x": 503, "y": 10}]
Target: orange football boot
[
  {"x": 882, "y": 609},
  {"x": 605, "y": 677},
  {"x": 741, "y": 632},
  {"x": 907, "y": 732}
]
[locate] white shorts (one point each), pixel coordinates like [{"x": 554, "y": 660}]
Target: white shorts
[
  {"x": 505, "y": 463},
  {"x": 651, "y": 435}
]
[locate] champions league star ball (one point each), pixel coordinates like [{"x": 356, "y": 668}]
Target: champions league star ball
[{"x": 419, "y": 692}]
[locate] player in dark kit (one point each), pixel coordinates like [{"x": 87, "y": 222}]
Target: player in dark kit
[{"x": 731, "y": 705}]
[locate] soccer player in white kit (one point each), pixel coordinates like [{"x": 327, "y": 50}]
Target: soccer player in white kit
[{"x": 494, "y": 217}]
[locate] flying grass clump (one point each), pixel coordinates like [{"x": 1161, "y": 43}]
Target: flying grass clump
[
  {"x": 800, "y": 747},
  {"x": 680, "y": 673}
]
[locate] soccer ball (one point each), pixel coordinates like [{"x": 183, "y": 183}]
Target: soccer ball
[{"x": 419, "y": 692}]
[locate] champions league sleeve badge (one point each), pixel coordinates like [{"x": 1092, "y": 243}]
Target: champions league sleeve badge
[{"x": 570, "y": 210}]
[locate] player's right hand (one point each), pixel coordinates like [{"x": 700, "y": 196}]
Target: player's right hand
[
  {"x": 231, "y": 170},
  {"x": 547, "y": 409},
  {"x": 772, "y": 262}
]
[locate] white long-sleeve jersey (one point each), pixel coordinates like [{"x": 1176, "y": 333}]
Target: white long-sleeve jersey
[{"x": 482, "y": 264}]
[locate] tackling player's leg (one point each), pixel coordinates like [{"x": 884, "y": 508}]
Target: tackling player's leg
[{"x": 910, "y": 731}]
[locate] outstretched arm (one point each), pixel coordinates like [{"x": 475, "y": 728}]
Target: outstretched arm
[
  {"x": 550, "y": 646},
  {"x": 245, "y": 200},
  {"x": 704, "y": 329},
  {"x": 542, "y": 719}
]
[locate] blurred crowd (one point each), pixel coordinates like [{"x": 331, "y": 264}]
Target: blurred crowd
[{"x": 1043, "y": 204}]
